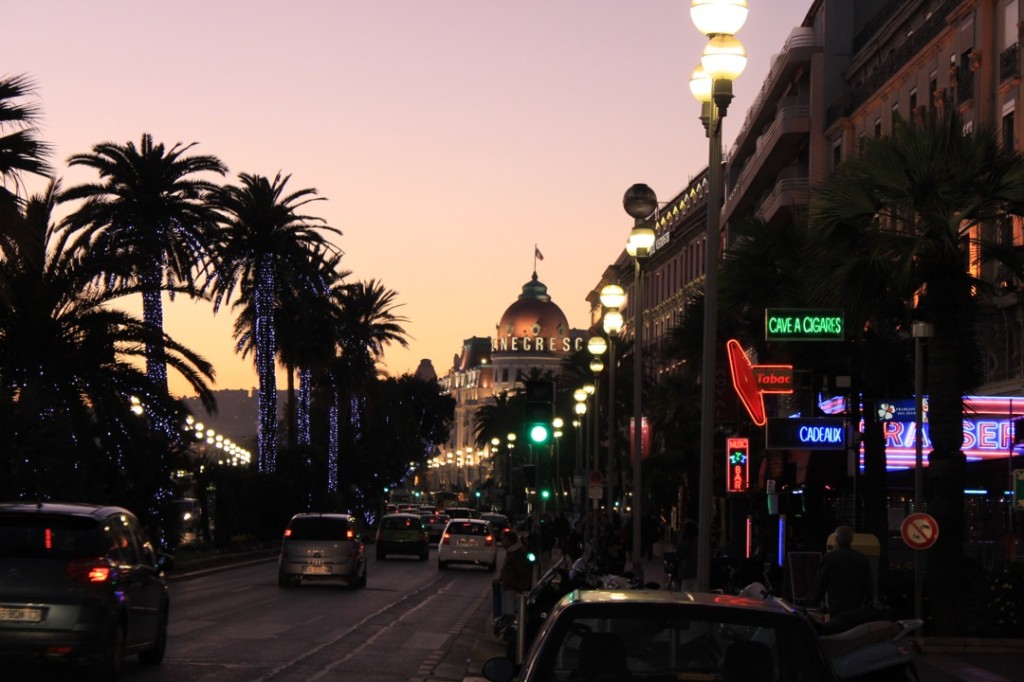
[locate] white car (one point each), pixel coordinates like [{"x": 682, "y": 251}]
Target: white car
[{"x": 468, "y": 541}]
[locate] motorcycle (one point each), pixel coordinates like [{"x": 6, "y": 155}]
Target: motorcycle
[
  {"x": 865, "y": 645},
  {"x": 878, "y": 649}
]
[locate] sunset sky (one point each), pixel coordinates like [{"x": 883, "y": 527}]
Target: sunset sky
[{"x": 446, "y": 136}]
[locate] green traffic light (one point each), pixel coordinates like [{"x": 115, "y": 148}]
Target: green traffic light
[
  {"x": 531, "y": 557},
  {"x": 539, "y": 433},
  {"x": 545, "y": 494}
]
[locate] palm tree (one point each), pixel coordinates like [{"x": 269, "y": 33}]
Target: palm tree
[
  {"x": 367, "y": 322},
  {"x": 67, "y": 374},
  {"x": 931, "y": 197},
  {"x": 20, "y": 152},
  {"x": 150, "y": 209},
  {"x": 264, "y": 238}
]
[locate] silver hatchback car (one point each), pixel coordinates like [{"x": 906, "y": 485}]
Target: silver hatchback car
[
  {"x": 80, "y": 583},
  {"x": 322, "y": 547}
]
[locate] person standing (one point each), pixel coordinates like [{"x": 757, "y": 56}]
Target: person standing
[
  {"x": 844, "y": 581},
  {"x": 516, "y": 574},
  {"x": 686, "y": 556}
]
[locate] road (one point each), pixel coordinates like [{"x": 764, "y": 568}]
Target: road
[{"x": 238, "y": 625}]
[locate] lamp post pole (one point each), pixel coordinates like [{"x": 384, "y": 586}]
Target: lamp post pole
[
  {"x": 722, "y": 62},
  {"x": 640, "y": 203},
  {"x": 612, "y": 298},
  {"x": 920, "y": 331}
]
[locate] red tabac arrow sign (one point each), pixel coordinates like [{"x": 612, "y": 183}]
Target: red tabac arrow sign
[{"x": 744, "y": 383}]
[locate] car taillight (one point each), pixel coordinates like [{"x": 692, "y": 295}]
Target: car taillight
[
  {"x": 489, "y": 540},
  {"x": 350, "y": 534},
  {"x": 446, "y": 539},
  {"x": 93, "y": 570},
  {"x": 287, "y": 532}
]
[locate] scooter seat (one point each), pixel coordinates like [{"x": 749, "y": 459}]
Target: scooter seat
[{"x": 844, "y": 642}]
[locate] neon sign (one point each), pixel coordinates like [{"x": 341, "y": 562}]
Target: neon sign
[
  {"x": 812, "y": 434},
  {"x": 798, "y": 324},
  {"x": 737, "y": 451}
]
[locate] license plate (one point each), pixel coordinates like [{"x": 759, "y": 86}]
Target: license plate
[
  {"x": 317, "y": 570},
  {"x": 467, "y": 543},
  {"x": 18, "y": 615}
]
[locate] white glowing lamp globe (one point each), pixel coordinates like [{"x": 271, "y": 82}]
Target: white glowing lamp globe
[
  {"x": 641, "y": 239},
  {"x": 597, "y": 345},
  {"x": 700, "y": 85},
  {"x": 724, "y": 58},
  {"x": 613, "y": 322},
  {"x": 612, "y": 296},
  {"x": 718, "y": 17}
]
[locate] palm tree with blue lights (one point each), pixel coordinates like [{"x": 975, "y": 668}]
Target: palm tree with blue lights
[
  {"x": 149, "y": 210},
  {"x": 264, "y": 238}
]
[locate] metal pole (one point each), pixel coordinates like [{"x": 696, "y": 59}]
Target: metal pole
[
  {"x": 707, "y": 386},
  {"x": 920, "y": 331},
  {"x": 638, "y": 336},
  {"x": 609, "y": 478}
]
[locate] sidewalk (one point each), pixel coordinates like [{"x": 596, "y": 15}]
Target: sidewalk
[{"x": 942, "y": 659}]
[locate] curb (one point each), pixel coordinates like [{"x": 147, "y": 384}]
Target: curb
[
  {"x": 970, "y": 645},
  {"x": 201, "y": 567}
]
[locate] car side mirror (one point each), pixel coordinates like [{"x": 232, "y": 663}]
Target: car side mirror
[{"x": 499, "y": 669}]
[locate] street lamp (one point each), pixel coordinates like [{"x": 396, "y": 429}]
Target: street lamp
[
  {"x": 640, "y": 203},
  {"x": 557, "y": 423},
  {"x": 612, "y": 298},
  {"x": 722, "y": 62},
  {"x": 580, "y": 409}
]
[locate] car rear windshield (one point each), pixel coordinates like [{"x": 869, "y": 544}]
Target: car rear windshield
[
  {"x": 468, "y": 528},
  {"x": 318, "y": 528},
  {"x": 41, "y": 535},
  {"x": 401, "y": 523}
]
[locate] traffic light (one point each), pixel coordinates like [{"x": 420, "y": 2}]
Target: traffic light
[
  {"x": 540, "y": 410},
  {"x": 545, "y": 494}
]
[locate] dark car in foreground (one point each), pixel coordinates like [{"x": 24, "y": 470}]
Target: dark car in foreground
[
  {"x": 402, "y": 534},
  {"x": 80, "y": 583},
  {"x": 655, "y": 636},
  {"x": 322, "y": 547}
]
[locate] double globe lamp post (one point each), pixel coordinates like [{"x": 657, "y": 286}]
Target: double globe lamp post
[
  {"x": 612, "y": 298},
  {"x": 722, "y": 62}
]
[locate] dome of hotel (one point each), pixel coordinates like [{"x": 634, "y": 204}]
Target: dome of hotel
[{"x": 533, "y": 316}]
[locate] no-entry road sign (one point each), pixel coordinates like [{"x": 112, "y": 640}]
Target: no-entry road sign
[{"x": 919, "y": 531}]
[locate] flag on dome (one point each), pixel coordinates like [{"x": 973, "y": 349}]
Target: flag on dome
[{"x": 537, "y": 254}]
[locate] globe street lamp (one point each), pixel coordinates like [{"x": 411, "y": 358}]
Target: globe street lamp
[
  {"x": 640, "y": 203},
  {"x": 722, "y": 62},
  {"x": 557, "y": 423},
  {"x": 612, "y": 298},
  {"x": 581, "y": 410}
]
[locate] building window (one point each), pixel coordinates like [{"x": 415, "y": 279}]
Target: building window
[
  {"x": 1008, "y": 130},
  {"x": 1010, "y": 17},
  {"x": 913, "y": 100},
  {"x": 878, "y": 128},
  {"x": 837, "y": 153}
]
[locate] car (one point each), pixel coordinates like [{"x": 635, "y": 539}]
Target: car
[
  {"x": 319, "y": 546},
  {"x": 467, "y": 541},
  {"x": 402, "y": 534},
  {"x": 615, "y": 635},
  {"x": 460, "y": 513},
  {"x": 80, "y": 583},
  {"x": 499, "y": 522},
  {"x": 435, "y": 524}
]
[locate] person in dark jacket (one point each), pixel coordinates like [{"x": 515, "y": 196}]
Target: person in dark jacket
[
  {"x": 844, "y": 579},
  {"x": 516, "y": 573}
]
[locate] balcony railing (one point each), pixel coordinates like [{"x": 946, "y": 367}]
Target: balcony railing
[{"x": 1009, "y": 63}]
